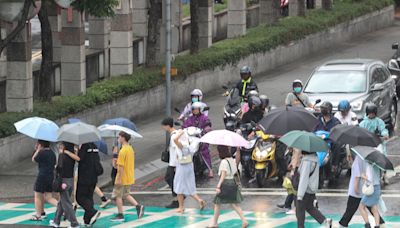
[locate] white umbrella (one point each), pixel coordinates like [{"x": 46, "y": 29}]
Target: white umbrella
[
  {"x": 78, "y": 133},
  {"x": 111, "y": 131}
]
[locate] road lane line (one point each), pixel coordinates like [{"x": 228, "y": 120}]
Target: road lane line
[
  {"x": 222, "y": 218},
  {"x": 25, "y": 217},
  {"x": 145, "y": 220},
  {"x": 9, "y": 206}
]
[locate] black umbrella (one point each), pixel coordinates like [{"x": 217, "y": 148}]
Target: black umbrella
[
  {"x": 374, "y": 157},
  {"x": 285, "y": 119},
  {"x": 355, "y": 136}
]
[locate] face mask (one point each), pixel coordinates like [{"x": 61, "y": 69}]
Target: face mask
[
  {"x": 325, "y": 112},
  {"x": 195, "y": 99},
  {"x": 297, "y": 89}
]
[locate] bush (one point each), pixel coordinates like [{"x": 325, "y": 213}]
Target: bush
[{"x": 258, "y": 40}]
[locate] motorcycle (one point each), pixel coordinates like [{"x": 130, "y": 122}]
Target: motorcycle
[
  {"x": 232, "y": 109},
  {"x": 246, "y": 152},
  {"x": 264, "y": 157}
]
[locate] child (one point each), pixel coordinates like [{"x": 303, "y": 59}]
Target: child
[{"x": 287, "y": 184}]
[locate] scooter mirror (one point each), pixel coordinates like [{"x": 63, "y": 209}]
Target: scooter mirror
[
  {"x": 177, "y": 123},
  {"x": 177, "y": 110},
  {"x": 318, "y": 101},
  {"x": 225, "y": 87},
  {"x": 395, "y": 46},
  {"x": 206, "y": 109}
]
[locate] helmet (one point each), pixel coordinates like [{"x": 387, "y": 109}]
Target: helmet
[
  {"x": 254, "y": 101},
  {"x": 198, "y": 105},
  {"x": 327, "y": 105},
  {"x": 264, "y": 101},
  {"x": 252, "y": 93},
  {"x": 371, "y": 108},
  {"x": 198, "y": 93},
  {"x": 297, "y": 82},
  {"x": 245, "y": 70},
  {"x": 344, "y": 105}
]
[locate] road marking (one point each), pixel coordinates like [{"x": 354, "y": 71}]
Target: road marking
[{"x": 166, "y": 188}]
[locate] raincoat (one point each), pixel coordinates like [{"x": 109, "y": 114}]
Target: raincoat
[
  {"x": 203, "y": 122},
  {"x": 188, "y": 110},
  {"x": 375, "y": 125}
]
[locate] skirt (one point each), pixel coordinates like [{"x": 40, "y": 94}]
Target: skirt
[
  {"x": 239, "y": 198},
  {"x": 184, "y": 180},
  {"x": 373, "y": 199}
]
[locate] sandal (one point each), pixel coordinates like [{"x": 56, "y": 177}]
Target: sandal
[
  {"x": 202, "y": 205},
  {"x": 245, "y": 225},
  {"x": 36, "y": 218}
]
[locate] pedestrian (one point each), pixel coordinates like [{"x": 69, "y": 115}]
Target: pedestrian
[
  {"x": 125, "y": 179},
  {"x": 184, "y": 181},
  {"x": 291, "y": 196},
  {"x": 65, "y": 168},
  {"x": 104, "y": 200},
  {"x": 227, "y": 171},
  {"x": 297, "y": 98},
  {"x": 168, "y": 125},
  {"x": 88, "y": 171},
  {"x": 46, "y": 160},
  {"x": 355, "y": 192},
  {"x": 308, "y": 186},
  {"x": 201, "y": 121},
  {"x": 371, "y": 176}
]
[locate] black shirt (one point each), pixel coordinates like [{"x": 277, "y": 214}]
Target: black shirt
[
  {"x": 249, "y": 87},
  {"x": 252, "y": 115},
  {"x": 89, "y": 155},
  {"x": 66, "y": 166},
  {"x": 46, "y": 160}
]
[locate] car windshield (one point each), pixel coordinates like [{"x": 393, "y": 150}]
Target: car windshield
[{"x": 337, "y": 82}]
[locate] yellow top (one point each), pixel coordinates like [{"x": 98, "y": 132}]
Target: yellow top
[
  {"x": 126, "y": 159},
  {"x": 287, "y": 184}
]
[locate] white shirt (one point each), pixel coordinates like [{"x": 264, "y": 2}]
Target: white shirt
[
  {"x": 350, "y": 119},
  {"x": 224, "y": 166},
  {"x": 356, "y": 171},
  {"x": 373, "y": 174},
  {"x": 173, "y": 150}
]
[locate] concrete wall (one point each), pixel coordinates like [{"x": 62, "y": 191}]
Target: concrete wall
[{"x": 17, "y": 147}]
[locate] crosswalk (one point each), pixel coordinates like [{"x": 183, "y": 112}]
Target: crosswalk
[{"x": 155, "y": 217}]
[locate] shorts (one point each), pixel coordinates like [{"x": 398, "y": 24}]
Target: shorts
[
  {"x": 43, "y": 185},
  {"x": 121, "y": 191}
]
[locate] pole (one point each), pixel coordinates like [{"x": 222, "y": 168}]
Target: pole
[{"x": 168, "y": 61}]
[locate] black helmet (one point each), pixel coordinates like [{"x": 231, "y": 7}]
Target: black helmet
[
  {"x": 327, "y": 105},
  {"x": 264, "y": 101},
  {"x": 254, "y": 101},
  {"x": 371, "y": 108}
]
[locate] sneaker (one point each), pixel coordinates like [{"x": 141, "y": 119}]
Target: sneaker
[
  {"x": 53, "y": 224},
  {"x": 118, "y": 218},
  {"x": 140, "y": 211},
  {"x": 173, "y": 204},
  {"x": 290, "y": 212},
  {"x": 95, "y": 217},
  {"x": 281, "y": 206},
  {"x": 105, "y": 203},
  {"x": 43, "y": 216},
  {"x": 315, "y": 203},
  {"x": 328, "y": 223}
]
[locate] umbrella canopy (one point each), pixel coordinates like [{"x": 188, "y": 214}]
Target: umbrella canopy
[
  {"x": 38, "y": 128},
  {"x": 78, "y": 133},
  {"x": 123, "y": 122},
  {"x": 285, "y": 119},
  {"x": 304, "y": 141},
  {"x": 225, "y": 138},
  {"x": 101, "y": 144},
  {"x": 111, "y": 131},
  {"x": 374, "y": 157},
  {"x": 355, "y": 136}
]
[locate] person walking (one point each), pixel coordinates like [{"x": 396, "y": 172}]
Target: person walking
[
  {"x": 43, "y": 188},
  {"x": 371, "y": 176},
  {"x": 308, "y": 186},
  {"x": 168, "y": 125},
  {"x": 184, "y": 181},
  {"x": 227, "y": 171},
  {"x": 88, "y": 171},
  {"x": 65, "y": 168},
  {"x": 125, "y": 179},
  {"x": 354, "y": 193}
]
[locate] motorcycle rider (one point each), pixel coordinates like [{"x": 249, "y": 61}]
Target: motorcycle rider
[
  {"x": 246, "y": 84},
  {"x": 200, "y": 120},
  {"x": 297, "y": 98},
  {"x": 345, "y": 115},
  {"x": 196, "y": 96},
  {"x": 264, "y": 104},
  {"x": 255, "y": 114}
]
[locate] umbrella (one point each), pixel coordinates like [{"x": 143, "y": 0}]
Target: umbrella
[
  {"x": 78, "y": 133},
  {"x": 285, "y": 119},
  {"x": 225, "y": 138},
  {"x": 110, "y": 131},
  {"x": 373, "y": 156},
  {"x": 101, "y": 144},
  {"x": 304, "y": 141},
  {"x": 123, "y": 122},
  {"x": 355, "y": 136},
  {"x": 38, "y": 128}
]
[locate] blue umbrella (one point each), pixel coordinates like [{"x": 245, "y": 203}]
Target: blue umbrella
[
  {"x": 122, "y": 122},
  {"x": 38, "y": 128},
  {"x": 101, "y": 144}
]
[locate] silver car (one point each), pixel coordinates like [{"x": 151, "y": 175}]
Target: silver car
[{"x": 360, "y": 81}]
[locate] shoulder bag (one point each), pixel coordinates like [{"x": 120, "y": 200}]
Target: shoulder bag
[
  {"x": 165, "y": 153},
  {"x": 57, "y": 182},
  {"x": 229, "y": 191},
  {"x": 367, "y": 188}
]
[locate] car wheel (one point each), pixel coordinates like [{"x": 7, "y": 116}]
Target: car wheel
[{"x": 393, "y": 115}]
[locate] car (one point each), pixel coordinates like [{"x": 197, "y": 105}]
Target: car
[{"x": 360, "y": 81}]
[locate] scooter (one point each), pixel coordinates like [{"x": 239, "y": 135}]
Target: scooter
[
  {"x": 264, "y": 158},
  {"x": 246, "y": 152},
  {"x": 232, "y": 109}
]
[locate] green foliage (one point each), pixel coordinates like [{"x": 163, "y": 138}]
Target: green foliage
[
  {"x": 258, "y": 40},
  {"x": 98, "y": 8},
  {"x": 217, "y": 8}
]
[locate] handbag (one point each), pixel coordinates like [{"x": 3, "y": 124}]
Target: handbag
[
  {"x": 228, "y": 191},
  {"x": 165, "y": 153},
  {"x": 367, "y": 188},
  {"x": 296, "y": 177},
  {"x": 186, "y": 159},
  {"x": 57, "y": 182}
]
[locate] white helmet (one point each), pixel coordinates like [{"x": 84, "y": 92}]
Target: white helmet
[
  {"x": 198, "y": 105},
  {"x": 198, "y": 93}
]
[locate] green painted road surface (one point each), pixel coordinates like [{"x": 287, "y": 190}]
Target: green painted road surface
[{"x": 19, "y": 214}]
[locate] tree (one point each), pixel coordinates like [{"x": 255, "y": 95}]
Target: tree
[
  {"x": 21, "y": 25},
  {"x": 194, "y": 26},
  {"x": 154, "y": 25}
]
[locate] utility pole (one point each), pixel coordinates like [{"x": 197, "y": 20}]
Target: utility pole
[{"x": 168, "y": 61}]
